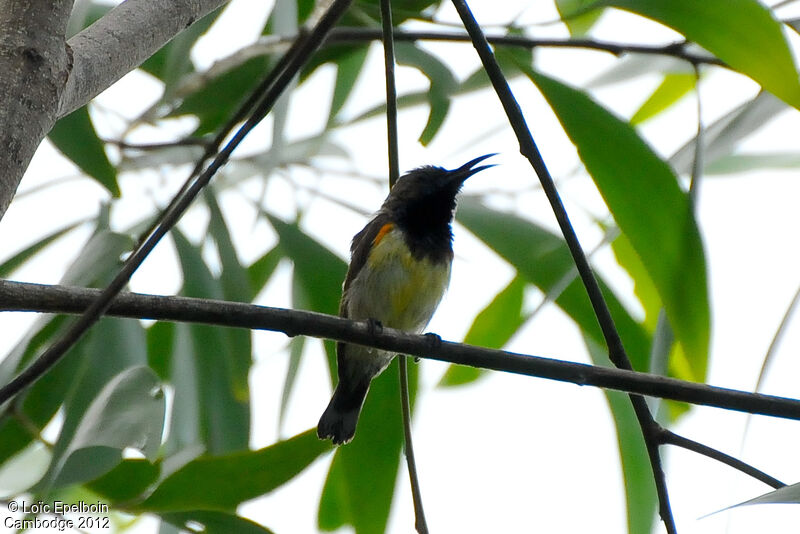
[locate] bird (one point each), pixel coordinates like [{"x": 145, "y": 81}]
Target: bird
[{"x": 399, "y": 271}]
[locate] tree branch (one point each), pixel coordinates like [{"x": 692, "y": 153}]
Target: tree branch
[
  {"x": 528, "y": 148},
  {"x": 178, "y": 206},
  {"x": 27, "y": 297},
  {"x": 34, "y": 65},
  {"x": 121, "y": 41},
  {"x": 677, "y": 50}
]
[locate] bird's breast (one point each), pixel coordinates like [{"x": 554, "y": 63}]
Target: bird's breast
[{"x": 396, "y": 287}]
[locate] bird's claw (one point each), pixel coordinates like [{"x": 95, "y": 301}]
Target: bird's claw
[
  {"x": 374, "y": 326},
  {"x": 434, "y": 341}
]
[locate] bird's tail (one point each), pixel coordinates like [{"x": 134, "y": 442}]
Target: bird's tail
[{"x": 338, "y": 421}]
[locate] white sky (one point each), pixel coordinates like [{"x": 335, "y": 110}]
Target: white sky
[{"x": 508, "y": 454}]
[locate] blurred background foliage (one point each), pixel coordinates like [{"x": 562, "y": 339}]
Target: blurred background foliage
[{"x": 204, "y": 468}]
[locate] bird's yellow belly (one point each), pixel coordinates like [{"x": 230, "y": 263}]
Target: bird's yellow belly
[{"x": 395, "y": 288}]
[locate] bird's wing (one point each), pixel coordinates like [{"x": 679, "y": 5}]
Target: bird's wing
[{"x": 359, "y": 250}]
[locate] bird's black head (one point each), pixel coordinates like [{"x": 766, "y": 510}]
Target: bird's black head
[{"x": 423, "y": 202}]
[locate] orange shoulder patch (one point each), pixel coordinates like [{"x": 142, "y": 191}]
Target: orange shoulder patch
[{"x": 385, "y": 229}]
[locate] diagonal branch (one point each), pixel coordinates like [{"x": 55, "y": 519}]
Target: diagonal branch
[
  {"x": 98, "y": 307},
  {"x": 121, "y": 41},
  {"x": 616, "y": 350},
  {"x": 34, "y": 65}
]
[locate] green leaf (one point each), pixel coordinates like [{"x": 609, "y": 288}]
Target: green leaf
[
  {"x": 223, "y": 482},
  {"x": 261, "y": 270},
  {"x": 296, "y": 345},
  {"x": 650, "y": 208},
  {"x": 214, "y": 523},
  {"x": 160, "y": 341},
  {"x": 212, "y": 380},
  {"x": 128, "y": 412},
  {"x": 643, "y": 286},
  {"x": 736, "y": 31},
  {"x": 216, "y": 101},
  {"x": 492, "y": 328},
  {"x": 17, "y": 260},
  {"x": 126, "y": 481},
  {"x": 543, "y": 259},
  {"x": 640, "y": 490},
  {"x": 742, "y": 163},
  {"x": 318, "y": 270},
  {"x": 672, "y": 88},
  {"x": 348, "y": 68},
  {"x": 76, "y": 138},
  {"x": 724, "y": 134},
  {"x": 362, "y": 478},
  {"x": 98, "y": 260},
  {"x": 235, "y": 287},
  {"x": 173, "y": 60},
  {"x": 123, "y": 338},
  {"x": 578, "y": 15},
  {"x": 442, "y": 84}
]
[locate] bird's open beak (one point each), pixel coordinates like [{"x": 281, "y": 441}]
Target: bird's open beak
[{"x": 468, "y": 169}]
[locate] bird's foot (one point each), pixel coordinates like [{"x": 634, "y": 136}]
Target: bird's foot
[
  {"x": 374, "y": 326},
  {"x": 434, "y": 342}
]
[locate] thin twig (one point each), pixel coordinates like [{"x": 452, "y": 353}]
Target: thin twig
[
  {"x": 391, "y": 92},
  {"x": 529, "y": 149},
  {"x": 186, "y": 141},
  {"x": 54, "y": 353},
  {"x": 670, "y": 438},
  {"x": 677, "y": 49},
  {"x": 420, "y": 523},
  {"x": 394, "y": 173}
]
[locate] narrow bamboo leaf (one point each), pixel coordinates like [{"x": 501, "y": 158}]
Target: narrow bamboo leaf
[
  {"x": 17, "y": 260},
  {"x": 635, "y": 66},
  {"x": 741, "y": 163},
  {"x": 442, "y": 84},
  {"x": 126, "y": 481},
  {"x": 126, "y": 340},
  {"x": 736, "y": 31},
  {"x": 173, "y": 59},
  {"x": 578, "y": 15},
  {"x": 492, "y": 328},
  {"x": 214, "y": 523},
  {"x": 235, "y": 287},
  {"x": 785, "y": 495},
  {"x": 299, "y": 301},
  {"x": 543, "y": 259},
  {"x": 640, "y": 491},
  {"x": 76, "y": 138},
  {"x": 98, "y": 260},
  {"x": 361, "y": 481},
  {"x": 223, "y": 482},
  {"x": 160, "y": 341},
  {"x": 650, "y": 208},
  {"x": 672, "y": 88},
  {"x": 320, "y": 271},
  {"x": 189, "y": 411},
  {"x": 722, "y": 136},
  {"x": 643, "y": 286},
  {"x": 224, "y": 413},
  {"x": 348, "y": 68},
  {"x": 261, "y": 270},
  {"x": 216, "y": 101},
  {"x": 128, "y": 412}
]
